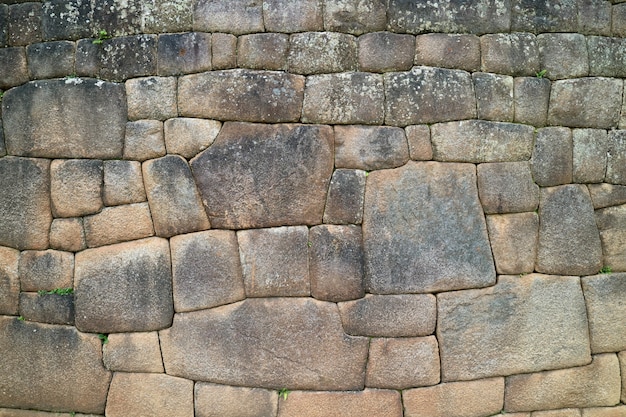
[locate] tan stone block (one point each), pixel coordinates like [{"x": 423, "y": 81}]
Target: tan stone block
[
  {"x": 510, "y": 53},
  {"x": 385, "y": 51},
  {"x": 123, "y": 183},
  {"x": 213, "y": 400},
  {"x": 151, "y": 98},
  {"x": 232, "y": 16},
  {"x": 448, "y": 51},
  {"x": 605, "y": 295},
  {"x": 144, "y": 140},
  {"x": 606, "y": 195},
  {"x": 355, "y": 16},
  {"x": 622, "y": 365},
  {"x": 76, "y": 187},
  {"x": 566, "y": 412},
  {"x": 459, "y": 399},
  {"x": 9, "y": 280},
  {"x": 370, "y": 402},
  {"x": 507, "y": 187},
  {"x": 67, "y": 234},
  {"x": 47, "y": 308},
  {"x": 15, "y": 67},
  {"x": 619, "y": 411},
  {"x": 418, "y": 137},
  {"x": 224, "y": 50},
  {"x": 46, "y": 270},
  {"x": 513, "y": 240},
  {"x": 552, "y": 161},
  {"x": 370, "y": 147},
  {"x": 187, "y": 137},
  {"x": 133, "y": 352},
  {"x": 293, "y": 15},
  {"x": 346, "y": 192},
  {"x": 266, "y": 51},
  {"x": 322, "y": 52},
  {"x": 118, "y": 224}
]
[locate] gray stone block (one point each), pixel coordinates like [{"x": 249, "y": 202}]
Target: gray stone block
[
  {"x": 187, "y": 137},
  {"x": 544, "y": 16},
  {"x": 9, "y": 281},
  {"x": 355, "y": 16},
  {"x": 4, "y": 25},
  {"x": 66, "y": 19},
  {"x": 563, "y": 55},
  {"x": 24, "y": 24},
  {"x": 622, "y": 361},
  {"x": 618, "y": 20},
  {"x": 151, "y": 98},
  {"x": 116, "y": 17},
  {"x": 531, "y": 99},
  {"x": 589, "y": 155},
  {"x": 263, "y": 51},
  {"x": 229, "y": 16},
  {"x": 367, "y": 402},
  {"x": 594, "y": 17},
  {"x": 76, "y": 187},
  {"x": 123, "y": 183},
  {"x": 46, "y": 270},
  {"x": 420, "y": 147},
  {"x": 212, "y": 400},
  {"x": 128, "y": 57},
  {"x": 507, "y": 187},
  {"x": 346, "y": 192},
  {"x": 87, "y": 58},
  {"x": 370, "y": 147},
  {"x": 183, "y": 53},
  {"x": 607, "y": 56},
  {"x": 322, "y": 52},
  {"x": 289, "y": 16},
  {"x": 133, "y": 352},
  {"x": 552, "y": 159},
  {"x": 494, "y": 96},
  {"x": 144, "y": 140},
  {"x": 510, "y": 53},
  {"x": 606, "y": 195},
  {"x": 448, "y": 51},
  {"x": 118, "y": 224},
  {"x": 385, "y": 51},
  {"x": 15, "y": 70},
  {"x": 51, "y": 59},
  {"x": 513, "y": 240},
  {"x": 224, "y": 51},
  {"x": 160, "y": 16},
  {"x": 612, "y": 224},
  {"x": 616, "y": 158},
  {"x": 47, "y": 308},
  {"x": 604, "y": 295}
]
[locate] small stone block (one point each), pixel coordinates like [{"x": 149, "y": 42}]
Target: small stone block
[
  {"x": 224, "y": 50},
  {"x": 368, "y": 402},
  {"x": 47, "y": 308},
  {"x": 607, "y": 56},
  {"x": 212, "y": 400},
  {"x": 123, "y": 183},
  {"x": 76, "y": 187},
  {"x": 531, "y": 97},
  {"x": 151, "y": 98},
  {"x": 118, "y": 224},
  {"x": 418, "y": 137},
  {"x": 589, "y": 155},
  {"x": 616, "y": 158},
  {"x": 606, "y": 195},
  {"x": 355, "y": 16},
  {"x": 618, "y": 20},
  {"x": 370, "y": 147},
  {"x": 128, "y": 57},
  {"x": 544, "y": 16},
  {"x": 494, "y": 96},
  {"x": 15, "y": 70},
  {"x": 618, "y": 411},
  {"x": 51, "y": 59},
  {"x": 87, "y": 59},
  {"x": 448, "y": 51},
  {"x": 552, "y": 162},
  {"x": 385, "y": 51},
  {"x": 183, "y": 53},
  {"x": 289, "y": 16},
  {"x": 67, "y": 235},
  {"x": 133, "y": 352},
  {"x": 9, "y": 280},
  {"x": 507, "y": 187},
  {"x": 230, "y": 16},
  {"x": 322, "y": 52},
  {"x": 263, "y": 51},
  {"x": 188, "y": 137},
  {"x": 344, "y": 204},
  {"x": 24, "y": 24},
  {"x": 605, "y": 295},
  {"x": 514, "y": 54},
  {"x": 563, "y": 55},
  {"x": 46, "y": 270},
  {"x": 513, "y": 240},
  {"x": 144, "y": 140},
  {"x": 594, "y": 17},
  {"x": 612, "y": 224}
]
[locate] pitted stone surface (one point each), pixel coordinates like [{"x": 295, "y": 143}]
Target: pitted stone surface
[
  {"x": 118, "y": 224},
  {"x": 322, "y": 52},
  {"x": 263, "y": 51},
  {"x": 133, "y": 352},
  {"x": 128, "y": 57},
  {"x": 612, "y": 225},
  {"x": 355, "y": 16},
  {"x": 187, "y": 137},
  {"x": 212, "y": 400},
  {"x": 424, "y": 230},
  {"x": 47, "y": 308},
  {"x": 552, "y": 159},
  {"x": 607, "y": 56},
  {"x": 589, "y": 155},
  {"x": 544, "y": 16},
  {"x": 24, "y": 23},
  {"x": 46, "y": 270},
  {"x": 67, "y": 235},
  {"x": 563, "y": 55},
  {"x": 370, "y": 147},
  {"x": 15, "y": 68},
  {"x": 531, "y": 99},
  {"x": 242, "y": 186},
  {"x": 151, "y": 98},
  {"x": 507, "y": 187},
  {"x": 292, "y": 15},
  {"x": 346, "y": 192},
  {"x": 144, "y": 140},
  {"x": 123, "y": 183},
  {"x": 230, "y": 16},
  {"x": 448, "y": 51},
  {"x": 510, "y": 53},
  {"x": 606, "y": 195},
  {"x": 166, "y": 15},
  {"x": 420, "y": 147},
  {"x": 522, "y": 324},
  {"x": 76, "y": 187},
  {"x": 224, "y": 51},
  {"x": 494, "y": 96},
  {"x": 618, "y": 411},
  {"x": 184, "y": 53},
  {"x": 384, "y": 51},
  {"x": 605, "y": 296},
  {"x": 380, "y": 403},
  {"x": 513, "y": 240},
  {"x": 51, "y": 59},
  {"x": 297, "y": 343},
  {"x": 616, "y": 157},
  {"x": 9, "y": 280}
]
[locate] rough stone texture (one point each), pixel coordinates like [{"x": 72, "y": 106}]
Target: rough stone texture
[
  {"x": 292, "y": 16},
  {"x": 51, "y": 367},
  {"x": 481, "y": 141},
  {"x": 15, "y": 412},
  {"x": 47, "y": 308},
  {"x": 275, "y": 261},
  {"x": 128, "y": 57},
  {"x": 461, "y": 399},
  {"x": 174, "y": 199},
  {"x": 569, "y": 241},
  {"x": 355, "y": 16},
  {"x": 552, "y": 159},
  {"x": 507, "y": 187},
  {"x": 616, "y": 158},
  {"x": 24, "y": 24},
  {"x": 531, "y": 99},
  {"x": 13, "y": 61},
  {"x": 510, "y": 53},
  {"x": 73, "y": 118},
  {"x": 67, "y": 235},
  {"x": 24, "y": 202},
  {"x": 381, "y": 403},
  {"x": 385, "y": 51},
  {"x": 622, "y": 362},
  {"x": 118, "y": 18},
  {"x": 206, "y": 270},
  {"x": 619, "y": 411},
  {"x": 346, "y": 193},
  {"x": 247, "y": 95},
  {"x": 46, "y": 270},
  {"x": 336, "y": 262},
  {"x": 428, "y": 95},
  {"x": 76, "y": 187},
  {"x": 565, "y": 412},
  {"x": 448, "y": 51},
  {"x": 125, "y": 287},
  {"x": 118, "y": 224},
  {"x": 242, "y": 186},
  {"x": 213, "y": 400},
  {"x": 183, "y": 53},
  {"x": 589, "y": 155},
  {"x": 370, "y": 147},
  {"x": 522, "y": 324},
  {"x": 224, "y": 50},
  {"x": 167, "y": 15},
  {"x": 607, "y": 56},
  {"x": 544, "y": 16},
  {"x": 187, "y": 137},
  {"x": 51, "y": 59},
  {"x": 123, "y": 183},
  {"x": 612, "y": 224},
  {"x": 513, "y": 240},
  {"x": 605, "y": 296},
  {"x": 563, "y": 55},
  {"x": 263, "y": 51},
  {"x": 149, "y": 395},
  {"x": 3, "y": 149},
  {"x": 4, "y": 24},
  {"x": 62, "y": 19},
  {"x": 144, "y": 140},
  {"x": 151, "y": 98},
  {"x": 346, "y": 98},
  {"x": 404, "y": 315},
  {"x": 424, "y": 230},
  {"x": 322, "y": 52},
  {"x": 9, "y": 280},
  {"x": 594, "y": 17},
  {"x": 606, "y": 195},
  {"x": 87, "y": 59},
  {"x": 229, "y": 16},
  {"x": 586, "y": 102},
  {"x": 133, "y": 352},
  {"x": 594, "y": 385},
  {"x": 403, "y": 363},
  {"x": 618, "y": 23},
  {"x": 494, "y": 96},
  {"x": 418, "y": 137},
  {"x": 296, "y": 343}
]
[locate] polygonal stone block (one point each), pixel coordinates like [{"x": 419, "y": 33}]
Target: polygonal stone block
[
  {"x": 513, "y": 240},
  {"x": 118, "y": 224},
  {"x": 123, "y": 183},
  {"x": 128, "y": 57},
  {"x": 448, "y": 51},
  {"x": 531, "y": 99},
  {"x": 212, "y": 400},
  {"x": 67, "y": 235},
  {"x": 604, "y": 295},
  {"x": 46, "y": 270},
  {"x": 510, "y": 53},
  {"x": 612, "y": 225},
  {"x": 133, "y": 352},
  {"x": 263, "y": 51},
  {"x": 51, "y": 59},
  {"x": 355, "y": 16},
  {"x": 144, "y": 140},
  {"x": 544, "y": 16},
  {"x": 507, "y": 187},
  {"x": 15, "y": 72},
  {"x": 589, "y": 155},
  {"x": 187, "y": 137},
  {"x": 385, "y": 51},
  {"x": 563, "y": 55},
  {"x": 76, "y": 187},
  {"x": 370, "y": 148},
  {"x": 224, "y": 51},
  {"x": 24, "y": 24},
  {"x": 151, "y": 98},
  {"x": 47, "y": 308},
  {"x": 420, "y": 147},
  {"x": 322, "y": 52},
  {"x": 230, "y": 16},
  {"x": 494, "y": 96},
  {"x": 183, "y": 53},
  {"x": 344, "y": 203},
  {"x": 552, "y": 162},
  {"x": 368, "y": 402},
  {"x": 293, "y": 15}
]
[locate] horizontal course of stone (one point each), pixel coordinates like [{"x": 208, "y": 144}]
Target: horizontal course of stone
[{"x": 313, "y": 208}]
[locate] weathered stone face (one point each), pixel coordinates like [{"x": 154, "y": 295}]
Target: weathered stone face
[
  {"x": 420, "y": 147},
  {"x": 611, "y": 222},
  {"x": 67, "y": 235},
  {"x": 212, "y": 400},
  {"x": 46, "y": 270},
  {"x": 563, "y": 55},
  {"x": 531, "y": 99},
  {"x": 374, "y": 402},
  {"x": 513, "y": 240},
  {"x": 384, "y": 51},
  {"x": 9, "y": 280},
  {"x": 224, "y": 51},
  {"x": 187, "y": 137},
  {"x": 507, "y": 187},
  {"x": 370, "y": 147},
  {"x": 606, "y": 195},
  {"x": 355, "y": 16},
  {"x": 133, "y": 352},
  {"x": 123, "y": 183},
  {"x": 118, "y": 224},
  {"x": 510, "y": 53},
  {"x": 151, "y": 98},
  {"x": 184, "y": 53},
  {"x": 263, "y": 51},
  {"x": 540, "y": 16},
  {"x": 605, "y": 296},
  {"x": 616, "y": 157},
  {"x": 346, "y": 192},
  {"x": 448, "y": 51},
  {"x": 552, "y": 159},
  {"x": 15, "y": 66},
  {"x": 494, "y": 96},
  {"x": 76, "y": 187},
  {"x": 230, "y": 16},
  {"x": 322, "y": 52},
  {"x": 242, "y": 186},
  {"x": 128, "y": 57},
  {"x": 424, "y": 230},
  {"x": 47, "y": 308},
  {"x": 144, "y": 140},
  {"x": 51, "y": 59},
  {"x": 590, "y": 148},
  {"x": 607, "y": 56},
  {"x": 292, "y": 16}
]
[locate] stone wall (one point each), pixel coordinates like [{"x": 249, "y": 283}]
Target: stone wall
[{"x": 310, "y": 208}]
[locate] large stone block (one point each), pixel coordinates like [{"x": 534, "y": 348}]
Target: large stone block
[
  {"x": 607, "y": 56},
  {"x": 552, "y": 159},
  {"x": 125, "y": 287},
  {"x": 118, "y": 224},
  {"x": 187, "y": 137},
  {"x": 606, "y": 195},
  {"x": 510, "y": 53},
  {"x": 531, "y": 99},
  {"x": 9, "y": 280},
  {"x": 507, "y": 187},
  {"x": 51, "y": 367},
  {"x": 24, "y": 24},
  {"x": 590, "y": 154},
  {"x": 494, "y": 96},
  {"x": 47, "y": 308},
  {"x": 128, "y": 57},
  {"x": 346, "y": 193},
  {"x": 424, "y": 230},
  {"x": 428, "y": 95},
  {"x": 73, "y": 118},
  {"x": 513, "y": 240},
  {"x": 355, "y": 16},
  {"x": 605, "y": 295},
  {"x": 133, "y": 352},
  {"x": 46, "y": 270},
  {"x": 183, "y": 53},
  {"x": 370, "y": 147},
  {"x": 594, "y": 17},
  {"x": 616, "y": 157},
  {"x": 380, "y": 403},
  {"x": 212, "y": 400},
  {"x": 15, "y": 69},
  {"x": 229, "y": 16},
  {"x": 166, "y": 15},
  {"x": 267, "y": 343},
  {"x": 322, "y": 52},
  {"x": 563, "y": 55},
  {"x": 243, "y": 187},
  {"x": 51, "y": 59},
  {"x": 385, "y": 51},
  {"x": 612, "y": 225},
  {"x": 63, "y": 19},
  {"x": 544, "y": 16},
  {"x": 247, "y": 95},
  {"x": 263, "y": 51},
  {"x": 123, "y": 183},
  {"x": 293, "y": 15},
  {"x": 76, "y": 187},
  {"x": 151, "y": 98},
  {"x": 144, "y": 140},
  {"x": 448, "y": 51},
  {"x": 522, "y": 324}
]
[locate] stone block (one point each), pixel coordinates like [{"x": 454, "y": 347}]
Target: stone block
[
  {"x": 293, "y": 15},
  {"x": 445, "y": 241},
  {"x": 46, "y": 270},
  {"x": 206, "y": 270},
  {"x": 606, "y": 195},
  {"x": 428, "y": 95},
  {"x": 187, "y": 137},
  {"x": 403, "y": 363},
  {"x": 619, "y": 411},
  {"x": 563, "y": 55},
  {"x": 76, "y": 187},
  {"x": 593, "y": 385},
  {"x": 618, "y": 20},
  {"x": 24, "y": 24},
  {"x": 355, "y": 16},
  {"x": 118, "y": 224},
  {"x": 66, "y": 19},
  {"x": 246, "y": 95},
  {"x": 212, "y": 400},
  {"x": 616, "y": 158},
  {"x": 125, "y": 287},
  {"x": 514, "y": 54},
  {"x": 531, "y": 99},
  {"x": 448, "y": 51},
  {"x": 589, "y": 155},
  {"x": 67, "y": 235},
  {"x": 47, "y": 308},
  {"x": 374, "y": 402},
  {"x": 568, "y": 247},
  {"x": 544, "y": 16},
  {"x": 552, "y": 159},
  {"x": 507, "y": 187},
  {"x": 123, "y": 183},
  {"x": 51, "y": 59},
  {"x": 13, "y": 60},
  {"x": 622, "y": 365},
  {"x": 151, "y": 98},
  {"x": 404, "y": 315},
  {"x": 3, "y": 149},
  {"x": 4, "y": 25},
  {"x": 479, "y": 141},
  {"x": 87, "y": 58},
  {"x": 607, "y": 56},
  {"x": 336, "y": 262},
  {"x": 494, "y": 96},
  {"x": 144, "y": 140},
  {"x": 24, "y": 202},
  {"x": 9, "y": 281},
  {"x": 133, "y": 352},
  {"x": 73, "y": 118},
  {"x": 370, "y": 147},
  {"x": 564, "y": 412},
  {"x": 51, "y": 367},
  {"x": 275, "y": 261},
  {"x": 263, "y": 51},
  {"x": 594, "y": 17},
  {"x": 385, "y": 51},
  {"x": 162, "y": 16},
  {"x": 224, "y": 51},
  {"x": 229, "y": 16},
  {"x": 346, "y": 192},
  {"x": 612, "y": 224},
  {"x": 418, "y": 137},
  {"x": 266, "y": 343},
  {"x": 118, "y": 18},
  {"x": 174, "y": 199},
  {"x": 586, "y": 102},
  {"x": 604, "y": 295},
  {"x": 513, "y": 240},
  {"x": 183, "y": 53},
  {"x": 346, "y": 98},
  {"x": 148, "y": 394},
  {"x": 322, "y": 52},
  {"x": 520, "y": 325},
  {"x": 243, "y": 187},
  {"x": 462, "y": 399},
  {"x": 128, "y": 57}
]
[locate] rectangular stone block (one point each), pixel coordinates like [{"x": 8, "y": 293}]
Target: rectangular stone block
[
  {"x": 507, "y": 187},
  {"x": 612, "y": 225},
  {"x": 370, "y": 148},
  {"x": 133, "y": 352},
  {"x": 594, "y": 17},
  {"x": 15, "y": 66},
  {"x": 622, "y": 365},
  {"x": 618, "y": 20},
  {"x": 544, "y": 16},
  {"x": 118, "y": 224},
  {"x": 494, "y": 96},
  {"x": 51, "y": 59},
  {"x": 266, "y": 51},
  {"x": 123, "y": 183},
  {"x": 513, "y": 240},
  {"x": 224, "y": 51},
  {"x": 161, "y": 16},
  {"x": 183, "y": 53},
  {"x": 514, "y": 54},
  {"x": 607, "y": 56},
  {"x": 47, "y": 308},
  {"x": 144, "y": 140},
  {"x": 606, "y": 195},
  {"x": 564, "y": 412},
  {"x": 420, "y": 147},
  {"x": 448, "y": 51},
  {"x": 151, "y": 98},
  {"x": 346, "y": 193},
  {"x": 67, "y": 235},
  {"x": 380, "y": 403},
  {"x": 355, "y": 16},
  {"x": 293, "y": 15},
  {"x": 531, "y": 99},
  {"x": 322, "y": 52},
  {"x": 128, "y": 57},
  {"x": 187, "y": 137},
  {"x": 9, "y": 281},
  {"x": 619, "y": 411},
  {"x": 65, "y": 19},
  {"x": 24, "y": 24},
  {"x": 589, "y": 155},
  {"x": 385, "y": 51},
  {"x": 212, "y": 400},
  {"x": 228, "y": 16},
  {"x": 605, "y": 295},
  {"x": 46, "y": 270},
  {"x": 563, "y": 55},
  {"x": 76, "y": 187},
  {"x": 552, "y": 159}
]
